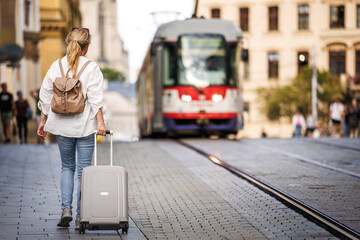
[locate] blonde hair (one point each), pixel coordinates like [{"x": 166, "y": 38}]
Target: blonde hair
[{"x": 76, "y": 41}]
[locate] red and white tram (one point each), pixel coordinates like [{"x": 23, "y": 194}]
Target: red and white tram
[{"x": 189, "y": 80}]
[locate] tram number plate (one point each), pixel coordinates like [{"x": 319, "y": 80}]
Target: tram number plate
[{"x": 202, "y": 104}]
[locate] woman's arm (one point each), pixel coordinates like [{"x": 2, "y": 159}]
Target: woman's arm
[
  {"x": 101, "y": 128},
  {"x": 40, "y": 130}
]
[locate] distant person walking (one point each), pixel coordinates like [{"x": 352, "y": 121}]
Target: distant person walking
[
  {"x": 74, "y": 132},
  {"x": 36, "y": 95},
  {"x": 21, "y": 108},
  {"x": 310, "y": 124},
  {"x": 353, "y": 117},
  {"x": 336, "y": 114},
  {"x": 7, "y": 111},
  {"x": 298, "y": 123}
]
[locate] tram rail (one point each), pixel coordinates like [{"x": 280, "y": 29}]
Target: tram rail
[
  {"x": 334, "y": 145},
  {"x": 330, "y": 224}
]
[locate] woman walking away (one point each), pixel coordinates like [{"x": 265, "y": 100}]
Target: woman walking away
[
  {"x": 298, "y": 123},
  {"x": 353, "y": 116},
  {"x": 21, "y": 108},
  {"x": 74, "y": 132}
]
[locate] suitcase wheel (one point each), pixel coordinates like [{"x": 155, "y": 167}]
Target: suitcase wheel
[
  {"x": 82, "y": 228},
  {"x": 124, "y": 227}
]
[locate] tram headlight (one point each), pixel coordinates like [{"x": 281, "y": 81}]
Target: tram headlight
[
  {"x": 217, "y": 98},
  {"x": 186, "y": 98}
]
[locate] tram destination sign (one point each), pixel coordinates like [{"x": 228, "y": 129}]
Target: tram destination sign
[{"x": 202, "y": 42}]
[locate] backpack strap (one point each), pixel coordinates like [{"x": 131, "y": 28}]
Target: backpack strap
[
  {"x": 61, "y": 68},
  {"x": 82, "y": 69}
]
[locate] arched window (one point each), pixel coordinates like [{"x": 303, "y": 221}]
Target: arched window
[{"x": 337, "y": 58}]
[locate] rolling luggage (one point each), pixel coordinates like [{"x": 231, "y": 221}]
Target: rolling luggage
[{"x": 104, "y": 196}]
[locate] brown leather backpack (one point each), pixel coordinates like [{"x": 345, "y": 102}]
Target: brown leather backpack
[{"x": 68, "y": 97}]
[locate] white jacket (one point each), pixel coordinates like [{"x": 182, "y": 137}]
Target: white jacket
[
  {"x": 76, "y": 125},
  {"x": 301, "y": 119}
]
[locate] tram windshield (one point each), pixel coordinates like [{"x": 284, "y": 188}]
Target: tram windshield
[{"x": 201, "y": 60}]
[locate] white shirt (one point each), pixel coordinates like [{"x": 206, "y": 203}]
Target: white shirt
[
  {"x": 298, "y": 120},
  {"x": 310, "y": 121},
  {"x": 336, "y": 111},
  {"x": 74, "y": 125}
]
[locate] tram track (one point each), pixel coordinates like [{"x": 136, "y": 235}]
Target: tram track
[
  {"x": 325, "y": 221},
  {"x": 334, "y": 144},
  {"x": 310, "y": 161}
]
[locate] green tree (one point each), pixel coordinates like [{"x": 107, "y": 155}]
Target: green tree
[
  {"x": 284, "y": 101},
  {"x": 112, "y": 74}
]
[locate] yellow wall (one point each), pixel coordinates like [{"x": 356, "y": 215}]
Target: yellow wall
[{"x": 57, "y": 17}]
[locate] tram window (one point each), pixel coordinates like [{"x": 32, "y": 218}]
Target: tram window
[
  {"x": 202, "y": 60},
  {"x": 169, "y": 65},
  {"x": 233, "y": 65}
]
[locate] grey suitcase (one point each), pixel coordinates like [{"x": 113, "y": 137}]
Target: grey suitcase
[{"x": 104, "y": 196}]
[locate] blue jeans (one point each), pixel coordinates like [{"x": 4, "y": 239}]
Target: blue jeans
[
  {"x": 297, "y": 131},
  {"x": 68, "y": 146}
]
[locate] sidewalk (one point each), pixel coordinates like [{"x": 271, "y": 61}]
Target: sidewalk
[{"x": 30, "y": 196}]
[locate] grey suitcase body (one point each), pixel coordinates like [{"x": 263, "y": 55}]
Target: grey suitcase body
[{"x": 104, "y": 196}]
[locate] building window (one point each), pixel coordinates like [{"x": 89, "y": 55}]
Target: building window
[
  {"x": 247, "y": 67},
  {"x": 303, "y": 60},
  {"x": 27, "y": 12},
  {"x": 358, "y": 16},
  {"x": 273, "y": 62},
  {"x": 215, "y": 13},
  {"x": 337, "y": 16},
  {"x": 357, "y": 54},
  {"x": 337, "y": 62},
  {"x": 303, "y": 17},
  {"x": 244, "y": 19},
  {"x": 273, "y": 18}
]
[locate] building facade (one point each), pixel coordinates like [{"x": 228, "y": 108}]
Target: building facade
[
  {"x": 57, "y": 17},
  {"x": 107, "y": 48},
  {"x": 282, "y": 36},
  {"x": 20, "y": 26}
]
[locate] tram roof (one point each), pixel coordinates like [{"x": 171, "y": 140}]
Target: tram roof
[{"x": 172, "y": 30}]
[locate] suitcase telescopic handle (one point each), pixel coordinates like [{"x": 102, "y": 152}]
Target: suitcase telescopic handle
[{"x": 111, "y": 147}]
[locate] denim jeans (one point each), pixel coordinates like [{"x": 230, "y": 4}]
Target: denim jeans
[
  {"x": 69, "y": 147},
  {"x": 297, "y": 131}
]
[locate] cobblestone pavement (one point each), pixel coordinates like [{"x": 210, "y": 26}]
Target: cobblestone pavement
[
  {"x": 30, "y": 197},
  {"x": 174, "y": 193},
  {"x": 314, "y": 173}
]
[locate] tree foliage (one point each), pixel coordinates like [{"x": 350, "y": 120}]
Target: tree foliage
[
  {"x": 112, "y": 74},
  {"x": 284, "y": 101}
]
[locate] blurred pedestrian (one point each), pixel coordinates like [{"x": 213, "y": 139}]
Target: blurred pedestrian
[
  {"x": 345, "y": 122},
  {"x": 298, "y": 123},
  {"x": 74, "y": 132},
  {"x": 336, "y": 114},
  {"x": 7, "y": 109},
  {"x": 35, "y": 94},
  {"x": 353, "y": 116},
  {"x": 310, "y": 124},
  {"x": 22, "y": 106},
  {"x": 263, "y": 133}
]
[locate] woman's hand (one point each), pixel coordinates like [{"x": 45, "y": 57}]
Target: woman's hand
[
  {"x": 40, "y": 130},
  {"x": 101, "y": 128}
]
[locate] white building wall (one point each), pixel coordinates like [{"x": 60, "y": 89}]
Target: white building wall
[
  {"x": 115, "y": 56},
  {"x": 287, "y": 41}
]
